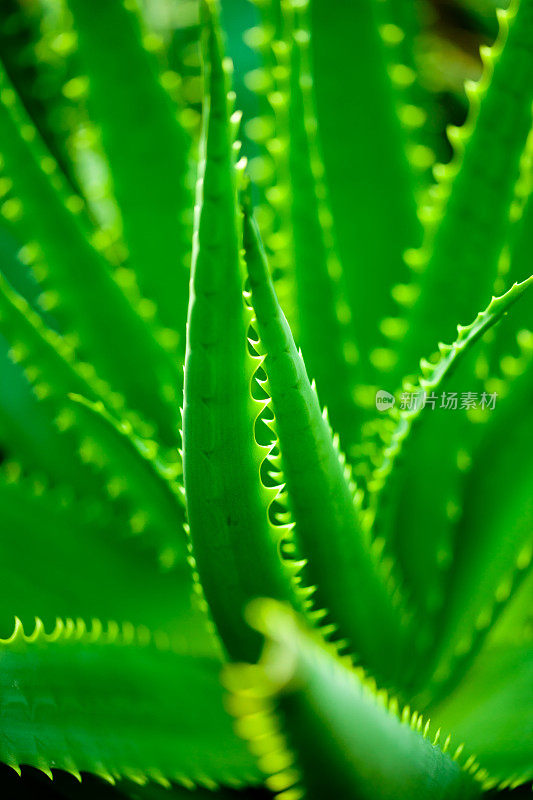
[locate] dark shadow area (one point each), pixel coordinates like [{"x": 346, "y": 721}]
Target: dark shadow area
[{"x": 35, "y": 785}]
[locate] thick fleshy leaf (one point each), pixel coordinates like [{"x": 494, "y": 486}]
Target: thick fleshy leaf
[
  {"x": 26, "y": 432},
  {"x": 491, "y": 712},
  {"x": 65, "y": 556},
  {"x": 324, "y": 317},
  {"x": 322, "y": 729},
  {"x": 433, "y": 372},
  {"x": 137, "y": 472},
  {"x": 269, "y": 132},
  {"x": 51, "y": 367},
  {"x": 330, "y": 530},
  {"x": 516, "y": 618},
  {"x": 474, "y": 192},
  {"x": 50, "y": 372},
  {"x": 116, "y": 701},
  {"x": 515, "y": 263},
  {"x": 371, "y": 185},
  {"x": 234, "y": 543},
  {"x": 401, "y": 27},
  {"x": 82, "y": 290},
  {"x": 494, "y": 546},
  {"x": 418, "y": 553},
  {"x": 130, "y": 104}
]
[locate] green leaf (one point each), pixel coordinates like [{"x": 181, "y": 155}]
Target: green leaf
[
  {"x": 50, "y": 365},
  {"x": 234, "y": 543},
  {"x": 324, "y": 318},
  {"x": 322, "y": 729},
  {"x": 514, "y": 265},
  {"x": 330, "y": 527},
  {"x": 269, "y": 133},
  {"x": 420, "y": 505},
  {"x": 90, "y": 301},
  {"x": 488, "y": 567},
  {"x": 475, "y": 190},
  {"x": 433, "y": 373},
  {"x": 25, "y": 430},
  {"x": 401, "y": 27},
  {"x": 50, "y": 372},
  {"x": 72, "y": 557},
  {"x": 370, "y": 182},
  {"x": 130, "y": 104},
  {"x": 491, "y": 712},
  {"x": 420, "y": 555},
  {"x": 136, "y": 470},
  {"x": 47, "y": 357},
  {"x": 115, "y": 702}
]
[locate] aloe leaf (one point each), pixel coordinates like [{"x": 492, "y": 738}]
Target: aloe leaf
[
  {"x": 401, "y": 27},
  {"x": 424, "y": 493},
  {"x": 82, "y": 282},
  {"x": 488, "y": 568},
  {"x": 50, "y": 372},
  {"x": 133, "y": 466},
  {"x": 322, "y": 728},
  {"x": 330, "y": 527},
  {"x": 371, "y": 185},
  {"x": 474, "y": 191},
  {"x": 45, "y": 354},
  {"x": 521, "y": 214},
  {"x": 490, "y": 710},
  {"x": 50, "y": 366},
  {"x": 235, "y": 546},
  {"x": 25, "y": 430},
  {"x": 269, "y": 132},
  {"x": 136, "y": 470},
  {"x": 433, "y": 373},
  {"x": 516, "y": 619},
  {"x": 324, "y": 318},
  {"x": 63, "y": 555},
  {"x": 421, "y": 557},
  {"x": 130, "y": 104},
  {"x": 514, "y": 265},
  {"x": 111, "y": 700}
]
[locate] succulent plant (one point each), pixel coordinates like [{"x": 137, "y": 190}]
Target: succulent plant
[{"x": 254, "y": 591}]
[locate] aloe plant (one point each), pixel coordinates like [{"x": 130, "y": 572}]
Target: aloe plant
[{"x": 210, "y": 580}]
